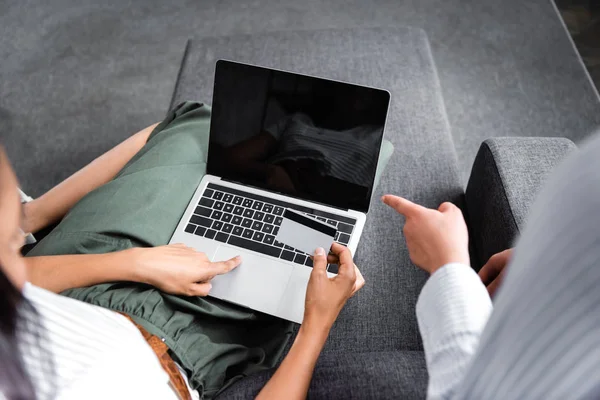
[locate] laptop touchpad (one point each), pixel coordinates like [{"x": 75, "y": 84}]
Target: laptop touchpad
[{"x": 257, "y": 282}]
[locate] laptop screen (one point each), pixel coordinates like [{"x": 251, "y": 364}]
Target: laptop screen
[{"x": 306, "y": 137}]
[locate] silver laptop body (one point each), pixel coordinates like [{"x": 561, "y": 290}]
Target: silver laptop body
[{"x": 318, "y": 143}]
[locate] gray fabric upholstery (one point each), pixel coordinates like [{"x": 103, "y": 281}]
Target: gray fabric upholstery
[
  {"x": 78, "y": 76},
  {"x": 423, "y": 167},
  {"x": 347, "y": 376},
  {"x": 507, "y": 175}
]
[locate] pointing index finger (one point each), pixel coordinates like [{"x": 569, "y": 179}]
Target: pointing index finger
[
  {"x": 223, "y": 267},
  {"x": 400, "y": 204}
]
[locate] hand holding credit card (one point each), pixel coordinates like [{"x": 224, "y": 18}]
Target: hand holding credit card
[{"x": 305, "y": 233}]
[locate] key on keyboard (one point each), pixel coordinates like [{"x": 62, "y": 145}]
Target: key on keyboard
[
  {"x": 203, "y": 211},
  {"x": 299, "y": 259},
  {"x": 217, "y": 225},
  {"x": 206, "y": 202},
  {"x": 257, "y": 226}
]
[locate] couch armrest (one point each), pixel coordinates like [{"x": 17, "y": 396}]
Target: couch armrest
[{"x": 506, "y": 176}]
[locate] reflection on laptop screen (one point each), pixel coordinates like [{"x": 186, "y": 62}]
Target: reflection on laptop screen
[{"x": 306, "y": 137}]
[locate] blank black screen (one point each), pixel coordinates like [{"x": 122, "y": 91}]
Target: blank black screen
[{"x": 303, "y": 136}]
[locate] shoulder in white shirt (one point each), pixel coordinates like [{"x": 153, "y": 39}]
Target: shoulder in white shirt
[{"x": 96, "y": 353}]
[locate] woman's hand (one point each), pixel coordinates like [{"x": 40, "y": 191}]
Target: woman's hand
[
  {"x": 434, "y": 237},
  {"x": 493, "y": 271},
  {"x": 178, "y": 269},
  {"x": 325, "y": 297}
]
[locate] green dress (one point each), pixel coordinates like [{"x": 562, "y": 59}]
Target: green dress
[{"x": 215, "y": 342}]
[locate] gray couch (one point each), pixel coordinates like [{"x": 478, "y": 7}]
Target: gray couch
[
  {"x": 506, "y": 176},
  {"x": 375, "y": 350}
]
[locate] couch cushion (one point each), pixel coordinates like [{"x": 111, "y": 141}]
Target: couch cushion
[
  {"x": 423, "y": 167},
  {"x": 381, "y": 375}
]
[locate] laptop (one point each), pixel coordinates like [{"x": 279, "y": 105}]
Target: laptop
[{"x": 281, "y": 140}]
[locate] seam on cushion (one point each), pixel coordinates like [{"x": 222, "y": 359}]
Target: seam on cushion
[
  {"x": 510, "y": 207},
  {"x": 184, "y": 57},
  {"x": 440, "y": 99}
]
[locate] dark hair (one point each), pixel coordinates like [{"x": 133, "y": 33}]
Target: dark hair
[
  {"x": 15, "y": 383},
  {"x": 22, "y": 334}
]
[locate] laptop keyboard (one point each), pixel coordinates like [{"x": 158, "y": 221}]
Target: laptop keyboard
[{"x": 251, "y": 221}]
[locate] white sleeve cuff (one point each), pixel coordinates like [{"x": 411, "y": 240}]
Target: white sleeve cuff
[{"x": 452, "y": 311}]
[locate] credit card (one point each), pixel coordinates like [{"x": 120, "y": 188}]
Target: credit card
[{"x": 305, "y": 233}]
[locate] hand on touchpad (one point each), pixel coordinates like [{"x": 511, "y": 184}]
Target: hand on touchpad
[{"x": 256, "y": 282}]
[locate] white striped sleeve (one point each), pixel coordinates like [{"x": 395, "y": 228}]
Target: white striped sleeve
[{"x": 452, "y": 311}]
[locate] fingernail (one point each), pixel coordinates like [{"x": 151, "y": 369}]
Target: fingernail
[{"x": 319, "y": 251}]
